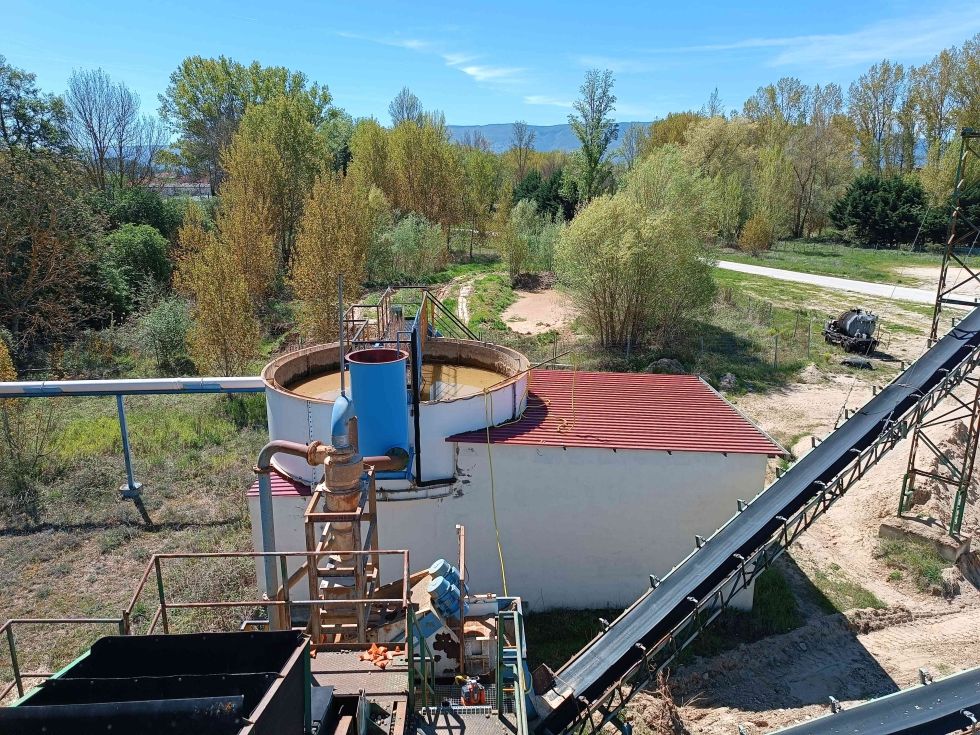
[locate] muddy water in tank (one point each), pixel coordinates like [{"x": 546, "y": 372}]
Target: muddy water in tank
[{"x": 440, "y": 382}]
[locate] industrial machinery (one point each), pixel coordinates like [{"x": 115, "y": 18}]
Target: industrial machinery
[{"x": 855, "y": 330}]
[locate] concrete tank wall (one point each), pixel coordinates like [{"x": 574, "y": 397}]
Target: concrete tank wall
[{"x": 301, "y": 419}]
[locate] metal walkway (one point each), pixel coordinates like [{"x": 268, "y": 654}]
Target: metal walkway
[{"x": 593, "y": 686}]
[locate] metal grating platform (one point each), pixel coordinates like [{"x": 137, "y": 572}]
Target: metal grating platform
[
  {"x": 348, "y": 675},
  {"x": 451, "y": 693},
  {"x": 469, "y": 720}
]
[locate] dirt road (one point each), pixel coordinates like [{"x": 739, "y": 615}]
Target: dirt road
[{"x": 882, "y": 290}]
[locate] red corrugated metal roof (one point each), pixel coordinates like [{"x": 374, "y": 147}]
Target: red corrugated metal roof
[
  {"x": 282, "y": 485},
  {"x": 627, "y": 411}
]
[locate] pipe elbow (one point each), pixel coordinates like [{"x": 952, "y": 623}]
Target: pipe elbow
[{"x": 340, "y": 418}]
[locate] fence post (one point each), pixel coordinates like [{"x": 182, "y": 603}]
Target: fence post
[
  {"x": 775, "y": 351},
  {"x": 132, "y": 488},
  {"x": 809, "y": 333},
  {"x": 15, "y": 667}
]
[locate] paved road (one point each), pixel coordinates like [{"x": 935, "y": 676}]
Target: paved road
[{"x": 882, "y": 290}]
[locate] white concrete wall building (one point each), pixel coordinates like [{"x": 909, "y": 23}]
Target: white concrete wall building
[{"x": 604, "y": 480}]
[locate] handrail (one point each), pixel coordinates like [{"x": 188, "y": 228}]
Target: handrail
[
  {"x": 425, "y": 658},
  {"x": 281, "y": 606},
  {"x": 7, "y": 630}
]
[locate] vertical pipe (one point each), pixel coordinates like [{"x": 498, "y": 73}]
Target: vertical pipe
[
  {"x": 268, "y": 538},
  {"x": 461, "y": 531},
  {"x": 287, "y": 613},
  {"x": 416, "y": 357},
  {"x": 163, "y": 597},
  {"x": 131, "y": 486},
  {"x": 340, "y": 334},
  {"x": 13, "y": 659}
]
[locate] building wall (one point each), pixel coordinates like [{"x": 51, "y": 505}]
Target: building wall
[{"x": 579, "y": 527}]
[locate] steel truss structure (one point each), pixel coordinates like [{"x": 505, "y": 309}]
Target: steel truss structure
[
  {"x": 592, "y": 716},
  {"x": 933, "y": 464}
]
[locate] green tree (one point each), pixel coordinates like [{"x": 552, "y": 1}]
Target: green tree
[
  {"x": 966, "y": 87},
  {"x": 139, "y": 205},
  {"x": 636, "y": 262},
  {"x": 521, "y": 145},
  {"x": 881, "y": 210},
  {"x": 874, "y": 101},
  {"x": 932, "y": 91},
  {"x": 271, "y": 164},
  {"x": 483, "y": 178},
  {"x": 670, "y": 129},
  {"x": 206, "y": 100},
  {"x": 224, "y": 337},
  {"x": 596, "y": 130},
  {"x": 406, "y": 107},
  {"x": 139, "y": 254},
  {"x": 29, "y": 120},
  {"x": 333, "y": 241},
  {"x": 48, "y": 238}
]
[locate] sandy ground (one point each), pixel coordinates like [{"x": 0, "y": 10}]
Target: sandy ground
[
  {"x": 535, "y": 312},
  {"x": 928, "y": 278}
]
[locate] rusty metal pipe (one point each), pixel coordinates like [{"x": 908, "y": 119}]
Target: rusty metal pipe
[{"x": 263, "y": 466}]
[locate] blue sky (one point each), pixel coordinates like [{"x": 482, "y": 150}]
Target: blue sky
[{"x": 483, "y": 63}]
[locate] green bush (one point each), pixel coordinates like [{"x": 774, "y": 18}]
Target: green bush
[
  {"x": 162, "y": 332},
  {"x": 141, "y": 206},
  {"x": 757, "y": 236},
  {"x": 138, "y": 255},
  {"x": 413, "y": 250}
]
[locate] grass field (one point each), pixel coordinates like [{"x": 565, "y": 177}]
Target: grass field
[{"x": 843, "y": 261}]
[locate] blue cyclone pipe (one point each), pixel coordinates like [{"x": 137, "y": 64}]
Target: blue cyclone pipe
[{"x": 340, "y": 417}]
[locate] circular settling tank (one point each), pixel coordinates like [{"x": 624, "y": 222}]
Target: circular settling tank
[{"x": 463, "y": 383}]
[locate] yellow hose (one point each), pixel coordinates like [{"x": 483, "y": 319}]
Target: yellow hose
[{"x": 493, "y": 490}]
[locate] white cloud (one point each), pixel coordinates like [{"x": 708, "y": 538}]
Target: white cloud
[
  {"x": 412, "y": 44},
  {"x": 543, "y": 99},
  {"x": 917, "y": 38},
  {"x": 492, "y": 73}
]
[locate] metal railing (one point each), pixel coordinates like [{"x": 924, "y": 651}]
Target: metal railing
[
  {"x": 520, "y": 681},
  {"x": 7, "y": 631},
  {"x": 421, "y": 664},
  {"x": 279, "y": 609},
  {"x": 119, "y": 388}
]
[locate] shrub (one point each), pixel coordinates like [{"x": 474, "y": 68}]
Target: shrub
[
  {"x": 141, "y": 206},
  {"x": 757, "y": 236},
  {"x": 416, "y": 248},
  {"x": 526, "y": 240},
  {"x": 637, "y": 262},
  {"x": 162, "y": 332},
  {"x": 25, "y": 429},
  {"x": 138, "y": 254}
]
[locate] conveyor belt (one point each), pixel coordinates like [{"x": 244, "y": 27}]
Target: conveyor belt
[
  {"x": 933, "y": 709},
  {"x": 587, "y": 677}
]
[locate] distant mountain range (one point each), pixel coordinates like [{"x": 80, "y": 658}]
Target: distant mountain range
[{"x": 546, "y": 137}]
